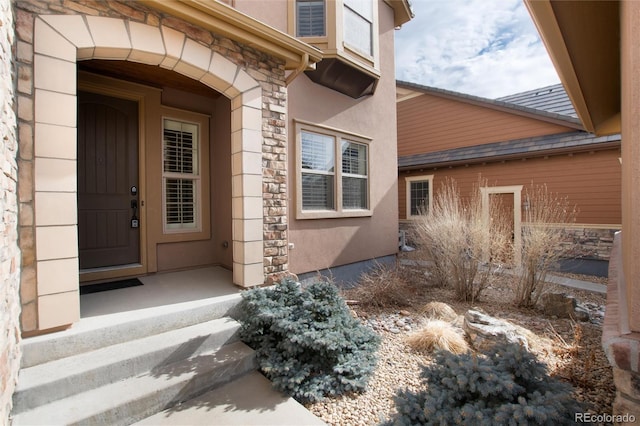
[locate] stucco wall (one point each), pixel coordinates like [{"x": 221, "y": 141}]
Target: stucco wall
[
  {"x": 324, "y": 243},
  {"x": 9, "y": 252}
]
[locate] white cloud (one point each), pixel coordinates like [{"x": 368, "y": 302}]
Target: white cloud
[{"x": 486, "y": 48}]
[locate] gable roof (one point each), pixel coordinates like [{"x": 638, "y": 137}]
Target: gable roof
[
  {"x": 552, "y": 99},
  {"x": 407, "y": 90},
  {"x": 527, "y": 147}
]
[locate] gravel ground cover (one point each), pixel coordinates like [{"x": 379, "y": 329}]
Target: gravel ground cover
[{"x": 572, "y": 351}]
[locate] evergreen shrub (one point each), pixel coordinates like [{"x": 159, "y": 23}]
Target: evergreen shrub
[
  {"x": 507, "y": 387},
  {"x": 306, "y": 340}
]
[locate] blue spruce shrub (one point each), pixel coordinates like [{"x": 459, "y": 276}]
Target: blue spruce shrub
[
  {"x": 306, "y": 341},
  {"x": 507, "y": 387}
]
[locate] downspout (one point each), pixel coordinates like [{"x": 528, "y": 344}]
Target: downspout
[{"x": 303, "y": 65}]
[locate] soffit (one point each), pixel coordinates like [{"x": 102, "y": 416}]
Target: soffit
[
  {"x": 582, "y": 38},
  {"x": 149, "y": 75},
  {"x": 402, "y": 12},
  {"x": 229, "y": 22}
]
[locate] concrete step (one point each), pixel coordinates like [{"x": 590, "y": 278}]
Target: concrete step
[
  {"x": 44, "y": 383},
  {"x": 246, "y": 401},
  {"x": 133, "y": 399},
  {"x": 106, "y": 330}
]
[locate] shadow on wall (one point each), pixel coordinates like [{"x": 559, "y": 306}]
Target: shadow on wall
[{"x": 347, "y": 275}]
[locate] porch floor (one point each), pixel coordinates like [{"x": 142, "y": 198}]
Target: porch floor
[{"x": 161, "y": 289}]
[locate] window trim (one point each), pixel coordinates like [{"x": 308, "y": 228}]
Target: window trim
[
  {"x": 408, "y": 181},
  {"x": 338, "y": 136},
  {"x": 202, "y": 230},
  {"x": 368, "y": 56},
  {"x": 333, "y": 45}
]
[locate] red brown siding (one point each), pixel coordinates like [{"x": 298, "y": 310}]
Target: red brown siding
[
  {"x": 430, "y": 123},
  {"x": 590, "y": 180}
]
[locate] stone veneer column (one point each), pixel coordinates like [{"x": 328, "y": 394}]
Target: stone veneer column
[{"x": 9, "y": 253}]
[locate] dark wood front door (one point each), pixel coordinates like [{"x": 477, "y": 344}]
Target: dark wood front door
[{"x": 107, "y": 172}]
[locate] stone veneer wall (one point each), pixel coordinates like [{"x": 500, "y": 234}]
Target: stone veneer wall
[
  {"x": 266, "y": 70},
  {"x": 9, "y": 252},
  {"x": 587, "y": 243}
]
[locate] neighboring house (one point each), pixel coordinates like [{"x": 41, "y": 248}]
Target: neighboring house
[
  {"x": 512, "y": 142},
  {"x": 595, "y": 47},
  {"x": 162, "y": 135}
]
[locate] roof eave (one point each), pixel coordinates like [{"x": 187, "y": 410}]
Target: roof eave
[
  {"x": 402, "y": 12},
  {"x": 229, "y": 22},
  {"x": 509, "y": 157},
  {"x": 564, "y": 45}
]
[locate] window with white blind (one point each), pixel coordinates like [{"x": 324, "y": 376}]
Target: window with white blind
[
  {"x": 310, "y": 18},
  {"x": 419, "y": 195},
  {"x": 333, "y": 173},
  {"x": 181, "y": 176},
  {"x": 358, "y": 25},
  {"x": 355, "y": 179}
]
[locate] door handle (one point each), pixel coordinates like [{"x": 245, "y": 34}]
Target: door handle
[{"x": 134, "y": 219}]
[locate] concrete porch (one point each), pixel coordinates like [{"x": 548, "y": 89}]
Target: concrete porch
[
  {"x": 160, "y": 289},
  {"x": 168, "y": 349}
]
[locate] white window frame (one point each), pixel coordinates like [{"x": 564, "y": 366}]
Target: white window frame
[
  {"x": 195, "y": 177},
  {"x": 371, "y": 20},
  {"x": 338, "y": 137},
  {"x": 409, "y": 180}
]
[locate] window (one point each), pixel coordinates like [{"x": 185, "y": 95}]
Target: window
[
  {"x": 354, "y": 175},
  {"x": 333, "y": 173},
  {"x": 180, "y": 176},
  {"x": 419, "y": 195},
  {"x": 358, "y": 25},
  {"x": 310, "y": 16},
  {"x": 318, "y": 171}
]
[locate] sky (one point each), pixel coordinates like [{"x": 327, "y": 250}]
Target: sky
[{"x": 487, "y": 48}]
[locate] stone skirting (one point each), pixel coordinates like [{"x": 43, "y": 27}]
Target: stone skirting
[
  {"x": 621, "y": 347},
  {"x": 589, "y": 243},
  {"x": 10, "y": 352},
  {"x": 585, "y": 242}
]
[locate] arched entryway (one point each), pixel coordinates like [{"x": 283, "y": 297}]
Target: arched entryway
[{"x": 59, "y": 42}]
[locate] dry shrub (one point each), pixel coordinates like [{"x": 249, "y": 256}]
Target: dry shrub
[
  {"x": 439, "y": 311},
  {"x": 381, "y": 287},
  {"x": 464, "y": 244},
  {"x": 544, "y": 216},
  {"x": 438, "y": 335}
]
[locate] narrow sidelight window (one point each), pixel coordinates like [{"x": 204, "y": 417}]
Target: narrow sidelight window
[{"x": 181, "y": 175}]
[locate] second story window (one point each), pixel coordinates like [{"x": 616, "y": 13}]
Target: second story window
[
  {"x": 358, "y": 25},
  {"x": 310, "y": 18}
]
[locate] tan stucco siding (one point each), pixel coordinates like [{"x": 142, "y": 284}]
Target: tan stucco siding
[
  {"x": 591, "y": 181},
  {"x": 324, "y": 243},
  {"x": 430, "y": 123}
]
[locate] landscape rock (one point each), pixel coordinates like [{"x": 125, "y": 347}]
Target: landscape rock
[
  {"x": 561, "y": 305},
  {"x": 485, "y": 331}
]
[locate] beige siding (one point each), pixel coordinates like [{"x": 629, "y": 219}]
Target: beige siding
[
  {"x": 430, "y": 123},
  {"x": 589, "y": 180}
]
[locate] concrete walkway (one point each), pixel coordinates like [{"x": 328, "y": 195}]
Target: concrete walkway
[
  {"x": 552, "y": 278},
  {"x": 249, "y": 400}
]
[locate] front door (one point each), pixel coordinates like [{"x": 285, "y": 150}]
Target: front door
[{"x": 108, "y": 232}]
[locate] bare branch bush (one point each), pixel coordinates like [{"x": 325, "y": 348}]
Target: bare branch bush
[
  {"x": 381, "y": 287},
  {"x": 464, "y": 248},
  {"x": 545, "y": 215}
]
